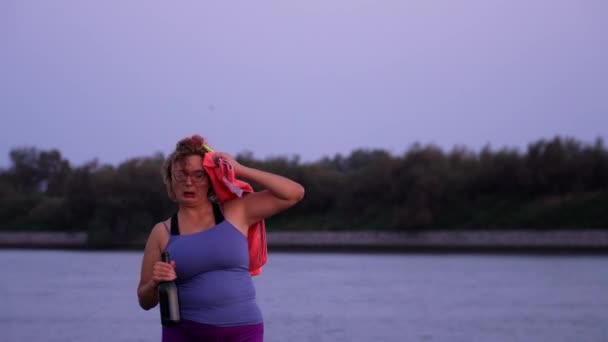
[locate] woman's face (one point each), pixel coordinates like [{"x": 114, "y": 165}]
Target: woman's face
[{"x": 189, "y": 181}]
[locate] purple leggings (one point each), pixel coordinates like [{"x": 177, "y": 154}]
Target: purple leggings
[{"x": 189, "y": 331}]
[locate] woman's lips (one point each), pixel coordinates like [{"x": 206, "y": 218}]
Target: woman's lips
[{"x": 189, "y": 194}]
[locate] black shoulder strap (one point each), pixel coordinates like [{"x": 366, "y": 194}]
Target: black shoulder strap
[
  {"x": 217, "y": 213},
  {"x": 174, "y": 225}
]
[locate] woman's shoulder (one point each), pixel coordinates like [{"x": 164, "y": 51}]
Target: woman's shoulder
[
  {"x": 161, "y": 228},
  {"x": 159, "y": 234}
]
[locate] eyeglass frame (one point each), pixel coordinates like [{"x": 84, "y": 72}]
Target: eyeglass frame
[{"x": 190, "y": 175}]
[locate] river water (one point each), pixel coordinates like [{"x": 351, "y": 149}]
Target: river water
[{"x": 67, "y": 296}]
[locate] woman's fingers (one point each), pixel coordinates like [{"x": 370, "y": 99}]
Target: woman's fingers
[
  {"x": 227, "y": 158},
  {"x": 164, "y": 277},
  {"x": 163, "y": 271},
  {"x": 216, "y": 157},
  {"x": 221, "y": 155}
]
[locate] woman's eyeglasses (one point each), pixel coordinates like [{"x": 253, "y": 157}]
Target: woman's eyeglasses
[{"x": 198, "y": 176}]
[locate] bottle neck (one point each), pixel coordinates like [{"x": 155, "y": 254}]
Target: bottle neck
[{"x": 165, "y": 257}]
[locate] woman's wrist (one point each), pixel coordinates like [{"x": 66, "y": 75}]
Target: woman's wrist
[{"x": 241, "y": 171}]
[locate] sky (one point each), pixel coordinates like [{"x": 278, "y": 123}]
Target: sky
[{"x": 111, "y": 80}]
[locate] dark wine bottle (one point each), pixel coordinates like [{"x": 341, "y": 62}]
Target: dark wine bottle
[{"x": 168, "y": 299}]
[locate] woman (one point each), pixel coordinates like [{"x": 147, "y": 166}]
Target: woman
[{"x": 210, "y": 260}]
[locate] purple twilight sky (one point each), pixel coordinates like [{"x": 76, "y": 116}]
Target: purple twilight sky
[{"x": 118, "y": 79}]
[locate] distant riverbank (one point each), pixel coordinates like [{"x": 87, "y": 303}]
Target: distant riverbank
[{"x": 435, "y": 240}]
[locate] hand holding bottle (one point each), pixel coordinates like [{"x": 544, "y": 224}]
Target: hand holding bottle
[{"x": 163, "y": 271}]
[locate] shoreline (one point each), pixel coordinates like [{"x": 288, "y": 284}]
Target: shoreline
[{"x": 433, "y": 241}]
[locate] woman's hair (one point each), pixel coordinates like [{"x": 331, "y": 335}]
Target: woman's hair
[{"x": 191, "y": 146}]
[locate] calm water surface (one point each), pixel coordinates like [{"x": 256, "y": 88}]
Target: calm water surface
[{"x": 91, "y": 296}]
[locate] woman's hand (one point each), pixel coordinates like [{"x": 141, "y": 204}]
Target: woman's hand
[
  {"x": 236, "y": 166},
  {"x": 163, "y": 271}
]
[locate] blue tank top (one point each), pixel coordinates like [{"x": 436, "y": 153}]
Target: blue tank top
[{"x": 213, "y": 278}]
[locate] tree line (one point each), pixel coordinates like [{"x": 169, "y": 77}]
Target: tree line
[{"x": 554, "y": 183}]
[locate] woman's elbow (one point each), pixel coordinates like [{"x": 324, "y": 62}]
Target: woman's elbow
[
  {"x": 145, "y": 306},
  {"x": 298, "y": 194},
  {"x": 144, "y": 302}
]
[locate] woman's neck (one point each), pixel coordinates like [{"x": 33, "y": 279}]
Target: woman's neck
[{"x": 196, "y": 215}]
